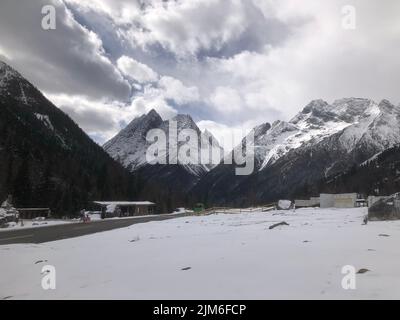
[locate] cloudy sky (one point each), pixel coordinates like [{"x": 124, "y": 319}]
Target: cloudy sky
[{"x": 231, "y": 64}]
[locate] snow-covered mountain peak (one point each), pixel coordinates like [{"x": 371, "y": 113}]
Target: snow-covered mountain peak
[
  {"x": 349, "y": 110},
  {"x": 143, "y": 123},
  {"x": 153, "y": 113},
  {"x": 315, "y": 105},
  {"x": 387, "y": 106},
  {"x": 185, "y": 121},
  {"x": 377, "y": 130},
  {"x": 319, "y": 120},
  {"x": 353, "y": 109},
  {"x": 279, "y": 127},
  {"x": 262, "y": 129},
  {"x": 129, "y": 146}
]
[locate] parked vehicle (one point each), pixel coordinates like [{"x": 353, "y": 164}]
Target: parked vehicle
[{"x": 199, "y": 207}]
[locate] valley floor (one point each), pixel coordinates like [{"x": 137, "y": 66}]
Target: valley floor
[{"x": 223, "y": 256}]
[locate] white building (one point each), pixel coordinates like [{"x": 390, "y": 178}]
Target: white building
[
  {"x": 345, "y": 200},
  {"x": 125, "y": 208},
  {"x": 312, "y": 202},
  {"x": 341, "y": 200},
  {"x": 326, "y": 200}
]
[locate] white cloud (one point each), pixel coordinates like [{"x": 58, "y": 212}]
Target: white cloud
[
  {"x": 228, "y": 136},
  {"x": 141, "y": 105},
  {"x": 226, "y": 99},
  {"x": 227, "y": 62},
  {"x": 136, "y": 70},
  {"x": 189, "y": 26},
  {"x": 175, "y": 90},
  {"x": 97, "y": 118},
  {"x": 4, "y": 55},
  {"x": 103, "y": 119}
]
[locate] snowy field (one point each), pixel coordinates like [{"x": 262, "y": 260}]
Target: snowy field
[
  {"x": 34, "y": 224},
  {"x": 223, "y": 256},
  {"x": 28, "y": 224}
]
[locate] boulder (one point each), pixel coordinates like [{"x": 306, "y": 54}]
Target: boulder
[
  {"x": 283, "y": 223},
  {"x": 284, "y": 205},
  {"x": 385, "y": 209}
]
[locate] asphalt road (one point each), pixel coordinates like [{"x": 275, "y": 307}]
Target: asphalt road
[{"x": 72, "y": 230}]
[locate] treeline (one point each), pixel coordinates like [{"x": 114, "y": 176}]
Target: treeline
[
  {"x": 59, "y": 167},
  {"x": 380, "y": 176}
]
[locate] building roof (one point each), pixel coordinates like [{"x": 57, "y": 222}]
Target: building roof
[{"x": 124, "y": 203}]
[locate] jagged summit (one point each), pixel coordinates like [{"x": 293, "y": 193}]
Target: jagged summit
[
  {"x": 314, "y": 105},
  {"x": 153, "y": 113},
  {"x": 130, "y": 145},
  {"x": 387, "y": 106},
  {"x": 320, "y": 120}
]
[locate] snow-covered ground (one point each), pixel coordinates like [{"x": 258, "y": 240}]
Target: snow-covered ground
[
  {"x": 223, "y": 256},
  {"x": 27, "y": 224},
  {"x": 35, "y": 224}
]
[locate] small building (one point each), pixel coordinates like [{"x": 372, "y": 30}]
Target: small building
[
  {"x": 33, "y": 213},
  {"x": 199, "y": 207},
  {"x": 125, "y": 208},
  {"x": 345, "y": 200},
  {"x": 341, "y": 200},
  {"x": 327, "y": 200},
  {"x": 312, "y": 202}
]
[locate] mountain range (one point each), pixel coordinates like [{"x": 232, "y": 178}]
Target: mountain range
[
  {"x": 294, "y": 158},
  {"x": 47, "y": 160}
]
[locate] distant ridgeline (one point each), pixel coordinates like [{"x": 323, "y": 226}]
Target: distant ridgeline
[{"x": 347, "y": 146}]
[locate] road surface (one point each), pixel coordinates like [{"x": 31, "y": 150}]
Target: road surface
[{"x": 72, "y": 230}]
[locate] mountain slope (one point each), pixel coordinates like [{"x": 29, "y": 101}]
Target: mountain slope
[
  {"x": 292, "y": 158},
  {"x": 46, "y": 159},
  {"x": 380, "y": 175}
]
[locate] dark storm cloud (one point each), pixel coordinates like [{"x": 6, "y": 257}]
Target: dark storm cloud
[{"x": 66, "y": 60}]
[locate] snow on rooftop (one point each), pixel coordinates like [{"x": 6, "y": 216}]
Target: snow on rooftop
[{"x": 124, "y": 203}]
